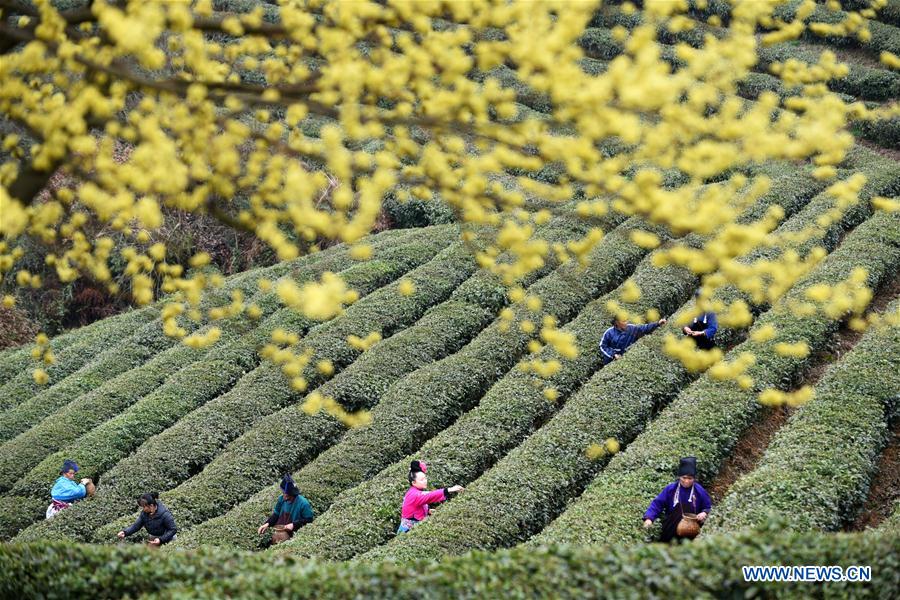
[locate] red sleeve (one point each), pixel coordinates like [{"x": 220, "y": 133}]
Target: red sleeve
[{"x": 432, "y": 497}]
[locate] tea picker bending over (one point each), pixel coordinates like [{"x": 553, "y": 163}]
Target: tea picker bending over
[
  {"x": 65, "y": 491},
  {"x": 292, "y": 511},
  {"x": 702, "y": 329},
  {"x": 621, "y": 335},
  {"x": 685, "y": 504},
  {"x": 416, "y": 501},
  {"x": 156, "y": 518}
]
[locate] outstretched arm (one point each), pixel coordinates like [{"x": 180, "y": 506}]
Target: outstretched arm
[
  {"x": 136, "y": 526},
  {"x": 432, "y": 497},
  {"x": 643, "y": 330},
  {"x": 656, "y": 507},
  {"x": 273, "y": 518},
  {"x": 68, "y": 491}
]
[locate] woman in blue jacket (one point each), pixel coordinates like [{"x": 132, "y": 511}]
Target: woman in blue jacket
[{"x": 65, "y": 491}]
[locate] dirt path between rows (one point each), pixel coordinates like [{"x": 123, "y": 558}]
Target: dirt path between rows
[
  {"x": 752, "y": 445},
  {"x": 885, "y": 487}
]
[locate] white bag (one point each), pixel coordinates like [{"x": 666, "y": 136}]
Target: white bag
[{"x": 55, "y": 507}]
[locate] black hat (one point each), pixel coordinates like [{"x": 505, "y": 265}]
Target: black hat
[
  {"x": 688, "y": 466},
  {"x": 288, "y": 487},
  {"x": 417, "y": 465}
]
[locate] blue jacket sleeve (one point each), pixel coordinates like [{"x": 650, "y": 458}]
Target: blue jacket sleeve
[
  {"x": 66, "y": 490},
  {"x": 605, "y": 348},
  {"x": 658, "y": 505},
  {"x": 712, "y": 325},
  {"x": 136, "y": 526},
  {"x": 704, "y": 504},
  {"x": 645, "y": 329}
]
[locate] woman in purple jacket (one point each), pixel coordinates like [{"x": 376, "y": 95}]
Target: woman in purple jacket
[{"x": 682, "y": 496}]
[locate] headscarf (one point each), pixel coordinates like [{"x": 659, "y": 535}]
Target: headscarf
[
  {"x": 68, "y": 465},
  {"x": 416, "y": 466},
  {"x": 288, "y": 486}
]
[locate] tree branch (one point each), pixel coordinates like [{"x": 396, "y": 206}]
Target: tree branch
[
  {"x": 74, "y": 16},
  {"x": 29, "y": 183}
]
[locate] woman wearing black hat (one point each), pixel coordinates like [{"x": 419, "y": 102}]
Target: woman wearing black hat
[
  {"x": 292, "y": 511},
  {"x": 677, "y": 499},
  {"x": 416, "y": 501}
]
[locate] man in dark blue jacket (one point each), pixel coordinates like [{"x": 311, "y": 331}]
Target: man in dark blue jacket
[
  {"x": 703, "y": 328},
  {"x": 621, "y": 335}
]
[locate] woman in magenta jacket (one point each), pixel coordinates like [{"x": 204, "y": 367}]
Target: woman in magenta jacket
[{"x": 416, "y": 501}]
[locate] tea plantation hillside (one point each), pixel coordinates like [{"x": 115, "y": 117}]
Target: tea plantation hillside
[{"x": 214, "y": 429}]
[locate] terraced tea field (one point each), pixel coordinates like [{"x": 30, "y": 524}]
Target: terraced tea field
[{"x": 213, "y": 429}]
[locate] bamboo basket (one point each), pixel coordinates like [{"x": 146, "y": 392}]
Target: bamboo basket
[{"x": 688, "y": 527}]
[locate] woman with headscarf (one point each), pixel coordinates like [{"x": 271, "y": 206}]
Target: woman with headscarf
[
  {"x": 292, "y": 511},
  {"x": 65, "y": 491},
  {"x": 417, "y": 501},
  {"x": 156, "y": 518},
  {"x": 676, "y": 499}
]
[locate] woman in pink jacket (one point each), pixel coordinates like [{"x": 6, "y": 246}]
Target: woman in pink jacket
[{"x": 416, "y": 501}]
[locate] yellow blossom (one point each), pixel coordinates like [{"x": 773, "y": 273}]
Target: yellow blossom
[
  {"x": 645, "y": 239},
  {"x": 763, "y": 333},
  {"x": 365, "y": 343},
  {"x": 793, "y": 350},
  {"x": 317, "y": 300},
  {"x": 773, "y": 397},
  {"x": 40, "y": 376},
  {"x": 612, "y": 445},
  {"x": 361, "y": 252},
  {"x": 325, "y": 367}
]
